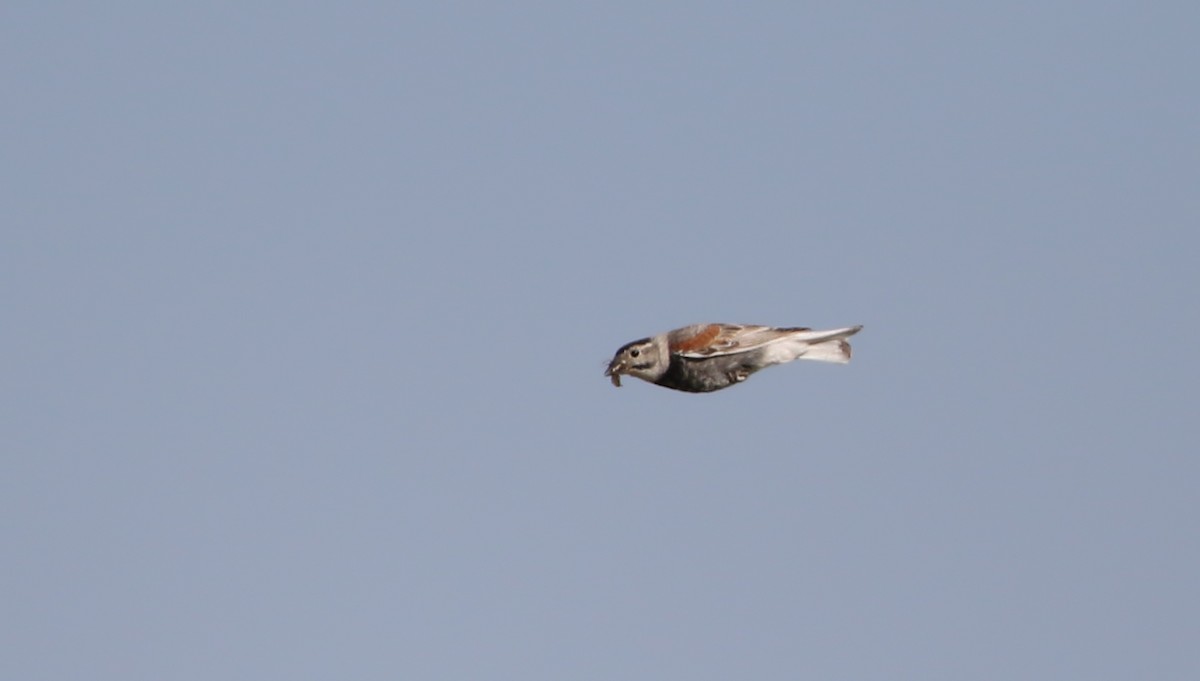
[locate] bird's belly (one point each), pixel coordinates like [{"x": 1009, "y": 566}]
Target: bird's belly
[{"x": 705, "y": 375}]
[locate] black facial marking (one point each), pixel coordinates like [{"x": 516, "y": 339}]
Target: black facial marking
[{"x": 640, "y": 341}]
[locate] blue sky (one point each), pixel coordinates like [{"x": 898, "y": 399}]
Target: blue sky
[{"x": 307, "y": 310}]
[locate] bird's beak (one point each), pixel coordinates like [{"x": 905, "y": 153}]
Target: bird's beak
[{"x": 614, "y": 372}]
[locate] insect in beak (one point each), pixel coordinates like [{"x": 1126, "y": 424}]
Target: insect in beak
[{"x": 614, "y": 373}]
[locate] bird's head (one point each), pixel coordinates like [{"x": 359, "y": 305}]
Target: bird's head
[{"x": 645, "y": 358}]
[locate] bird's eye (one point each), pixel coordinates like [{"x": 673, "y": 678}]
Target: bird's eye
[{"x": 634, "y": 352}]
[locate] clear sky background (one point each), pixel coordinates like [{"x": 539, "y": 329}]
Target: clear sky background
[{"x": 305, "y": 312}]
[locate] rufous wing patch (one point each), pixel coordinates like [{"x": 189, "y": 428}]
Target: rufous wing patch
[{"x": 700, "y": 341}]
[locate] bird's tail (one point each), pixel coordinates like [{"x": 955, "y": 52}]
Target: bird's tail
[{"x": 823, "y": 346}]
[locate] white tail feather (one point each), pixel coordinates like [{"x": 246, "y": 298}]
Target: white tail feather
[
  {"x": 837, "y": 351},
  {"x": 819, "y": 346}
]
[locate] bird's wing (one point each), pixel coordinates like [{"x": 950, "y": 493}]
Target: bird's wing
[{"x": 713, "y": 340}]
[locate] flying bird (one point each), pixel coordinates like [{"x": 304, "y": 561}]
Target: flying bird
[{"x": 705, "y": 357}]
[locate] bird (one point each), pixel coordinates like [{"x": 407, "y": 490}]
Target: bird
[{"x": 703, "y": 358}]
